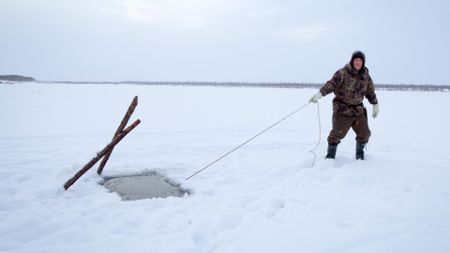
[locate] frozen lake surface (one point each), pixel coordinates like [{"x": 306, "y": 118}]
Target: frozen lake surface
[{"x": 265, "y": 197}]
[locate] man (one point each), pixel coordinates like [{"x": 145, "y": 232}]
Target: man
[{"x": 350, "y": 85}]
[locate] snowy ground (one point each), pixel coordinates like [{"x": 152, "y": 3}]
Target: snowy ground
[{"x": 266, "y": 197}]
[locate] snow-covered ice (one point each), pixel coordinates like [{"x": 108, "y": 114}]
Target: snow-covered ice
[{"x": 265, "y": 197}]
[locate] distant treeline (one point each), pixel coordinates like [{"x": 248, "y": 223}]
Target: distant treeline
[{"x": 401, "y": 87}]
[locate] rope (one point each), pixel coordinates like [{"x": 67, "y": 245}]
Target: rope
[
  {"x": 249, "y": 140},
  {"x": 320, "y": 136}
]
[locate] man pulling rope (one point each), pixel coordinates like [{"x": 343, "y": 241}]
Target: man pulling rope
[{"x": 350, "y": 85}]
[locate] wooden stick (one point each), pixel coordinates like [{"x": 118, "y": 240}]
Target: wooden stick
[
  {"x": 100, "y": 154},
  {"x": 119, "y": 129}
]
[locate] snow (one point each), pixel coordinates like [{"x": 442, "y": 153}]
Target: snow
[{"x": 265, "y": 197}]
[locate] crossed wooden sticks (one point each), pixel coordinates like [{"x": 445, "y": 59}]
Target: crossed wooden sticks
[{"x": 120, "y": 133}]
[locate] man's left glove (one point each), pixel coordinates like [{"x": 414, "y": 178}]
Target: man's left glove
[{"x": 375, "y": 110}]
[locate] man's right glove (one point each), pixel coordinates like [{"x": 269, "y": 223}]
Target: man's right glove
[
  {"x": 375, "y": 110},
  {"x": 315, "y": 97}
]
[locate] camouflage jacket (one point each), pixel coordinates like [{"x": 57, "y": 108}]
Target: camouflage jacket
[{"x": 350, "y": 87}]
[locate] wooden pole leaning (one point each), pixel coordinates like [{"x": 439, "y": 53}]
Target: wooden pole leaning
[
  {"x": 100, "y": 154},
  {"x": 118, "y": 131}
]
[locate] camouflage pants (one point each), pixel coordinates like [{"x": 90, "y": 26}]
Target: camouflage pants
[{"x": 341, "y": 125}]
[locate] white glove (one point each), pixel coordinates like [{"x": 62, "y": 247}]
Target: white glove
[
  {"x": 315, "y": 97},
  {"x": 375, "y": 110}
]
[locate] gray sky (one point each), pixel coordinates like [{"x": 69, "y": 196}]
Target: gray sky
[{"x": 224, "y": 40}]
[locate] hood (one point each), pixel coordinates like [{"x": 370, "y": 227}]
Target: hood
[{"x": 359, "y": 54}]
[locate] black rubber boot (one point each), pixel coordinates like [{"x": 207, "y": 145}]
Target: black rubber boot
[
  {"x": 360, "y": 151},
  {"x": 331, "y": 154}
]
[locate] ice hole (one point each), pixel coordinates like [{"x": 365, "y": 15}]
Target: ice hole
[{"x": 146, "y": 185}]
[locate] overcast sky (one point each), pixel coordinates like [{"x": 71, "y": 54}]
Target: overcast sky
[{"x": 224, "y": 40}]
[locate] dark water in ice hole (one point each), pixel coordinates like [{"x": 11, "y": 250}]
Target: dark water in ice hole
[{"x": 146, "y": 185}]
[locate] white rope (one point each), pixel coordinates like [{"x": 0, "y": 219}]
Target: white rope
[
  {"x": 265, "y": 130},
  {"x": 320, "y": 136}
]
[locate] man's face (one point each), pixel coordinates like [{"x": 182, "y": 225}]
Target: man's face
[{"x": 357, "y": 63}]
